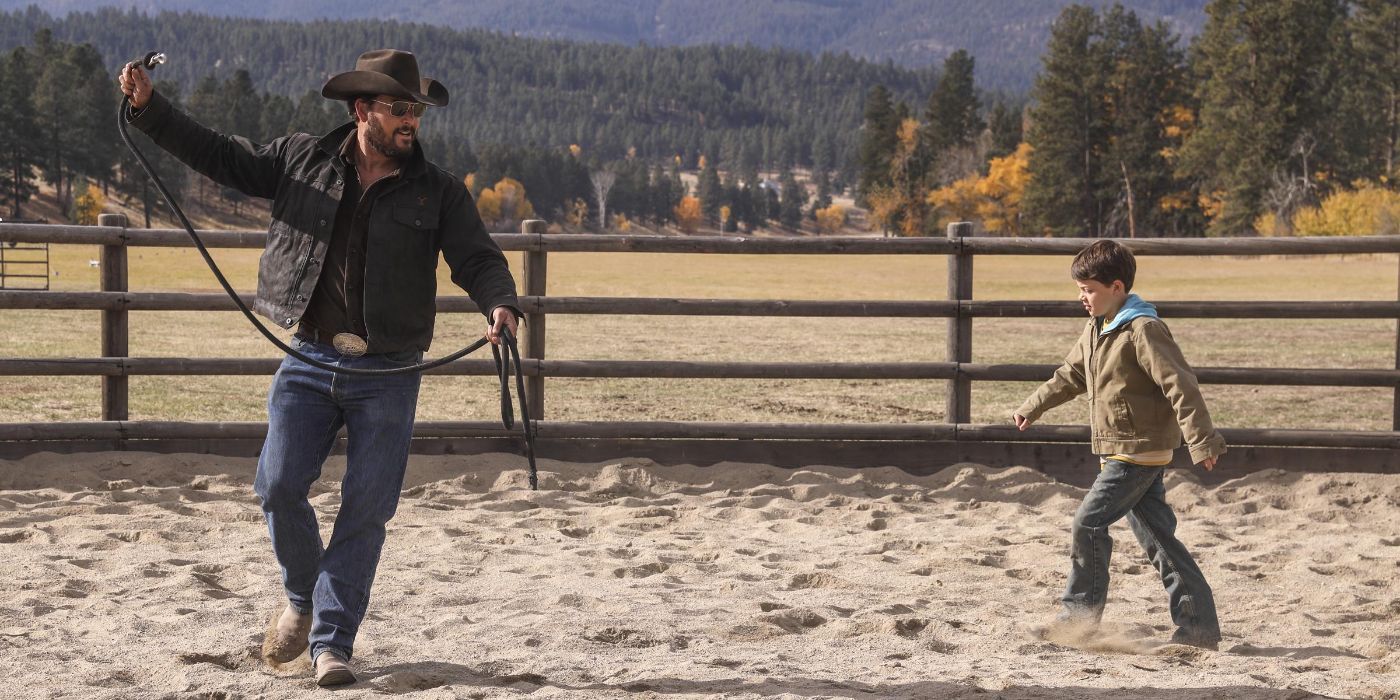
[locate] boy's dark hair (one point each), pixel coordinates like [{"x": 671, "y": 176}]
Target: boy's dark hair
[{"x": 1104, "y": 261}]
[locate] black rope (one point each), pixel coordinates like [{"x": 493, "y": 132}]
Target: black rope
[
  {"x": 508, "y": 415},
  {"x": 508, "y": 338}
]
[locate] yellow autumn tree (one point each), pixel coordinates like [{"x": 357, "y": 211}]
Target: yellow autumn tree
[
  {"x": 88, "y": 205},
  {"x": 994, "y": 200},
  {"x": 1367, "y": 210},
  {"x": 956, "y": 202},
  {"x": 511, "y": 205},
  {"x": 906, "y": 191},
  {"x": 504, "y": 205},
  {"x": 831, "y": 219},
  {"x": 621, "y": 223},
  {"x": 488, "y": 204},
  {"x": 577, "y": 212},
  {"x": 689, "y": 214},
  {"x": 884, "y": 205}
]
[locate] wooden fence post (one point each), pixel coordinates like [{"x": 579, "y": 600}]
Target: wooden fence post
[
  {"x": 114, "y": 321},
  {"x": 959, "y": 406},
  {"x": 536, "y": 275}
]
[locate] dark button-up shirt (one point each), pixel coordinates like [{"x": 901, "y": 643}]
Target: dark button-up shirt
[
  {"x": 421, "y": 214},
  {"x": 337, "y": 305}
]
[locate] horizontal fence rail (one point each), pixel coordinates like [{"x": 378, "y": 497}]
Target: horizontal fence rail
[
  {"x": 595, "y": 243},
  {"x": 680, "y": 369},
  {"x": 115, "y": 302},
  {"x": 155, "y": 430},
  {"x": 653, "y": 306}
]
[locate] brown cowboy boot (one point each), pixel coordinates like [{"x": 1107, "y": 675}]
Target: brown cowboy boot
[
  {"x": 286, "y": 636},
  {"x": 333, "y": 669}
]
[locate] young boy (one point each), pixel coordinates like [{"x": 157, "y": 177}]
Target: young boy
[{"x": 1143, "y": 399}]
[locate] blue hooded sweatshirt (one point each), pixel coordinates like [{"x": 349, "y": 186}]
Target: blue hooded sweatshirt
[{"x": 1133, "y": 307}]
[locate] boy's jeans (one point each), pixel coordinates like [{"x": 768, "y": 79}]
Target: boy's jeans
[
  {"x": 306, "y": 406},
  {"x": 1137, "y": 492}
]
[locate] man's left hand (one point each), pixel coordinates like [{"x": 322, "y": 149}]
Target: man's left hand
[{"x": 501, "y": 317}]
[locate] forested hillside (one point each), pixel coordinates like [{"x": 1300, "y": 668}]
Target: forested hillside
[
  {"x": 1007, "y": 36},
  {"x": 767, "y": 107},
  {"x": 1280, "y": 117}
]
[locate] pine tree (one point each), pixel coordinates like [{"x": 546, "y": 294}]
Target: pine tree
[
  {"x": 90, "y": 115},
  {"x": 823, "y": 199},
  {"x": 1068, "y": 130},
  {"x": 951, "y": 118},
  {"x": 242, "y": 105},
  {"x": 275, "y": 118},
  {"x": 1005, "y": 126},
  {"x": 1375, "y": 30},
  {"x": 316, "y": 115},
  {"x": 1144, "y": 75},
  {"x": 794, "y": 198},
  {"x": 878, "y": 136},
  {"x": 1265, "y": 78},
  {"x": 208, "y": 106},
  {"x": 19, "y": 131},
  {"x": 659, "y": 196},
  {"x": 1103, "y": 131},
  {"x": 172, "y": 172},
  {"x": 758, "y": 209},
  {"x": 710, "y": 192},
  {"x": 50, "y": 97}
]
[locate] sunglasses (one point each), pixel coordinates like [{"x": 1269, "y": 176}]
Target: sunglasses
[{"x": 402, "y": 107}]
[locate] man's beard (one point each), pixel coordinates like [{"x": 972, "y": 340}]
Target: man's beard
[{"x": 383, "y": 141}]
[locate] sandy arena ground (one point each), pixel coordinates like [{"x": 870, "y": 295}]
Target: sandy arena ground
[{"x": 133, "y": 575}]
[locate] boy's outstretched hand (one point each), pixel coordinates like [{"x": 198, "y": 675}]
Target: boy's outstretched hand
[
  {"x": 1023, "y": 422},
  {"x": 1209, "y": 463}
]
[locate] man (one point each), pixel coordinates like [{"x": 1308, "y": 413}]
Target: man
[{"x": 358, "y": 220}]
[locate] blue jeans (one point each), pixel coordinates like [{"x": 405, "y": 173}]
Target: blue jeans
[
  {"x": 1123, "y": 489},
  {"x": 306, "y": 407}
]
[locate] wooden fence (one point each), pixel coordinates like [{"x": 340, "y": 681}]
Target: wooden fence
[{"x": 1056, "y": 449}]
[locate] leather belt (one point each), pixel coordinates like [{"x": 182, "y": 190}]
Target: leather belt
[
  {"x": 347, "y": 344},
  {"x": 314, "y": 334}
]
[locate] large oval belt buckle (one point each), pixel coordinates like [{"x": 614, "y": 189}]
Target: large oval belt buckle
[{"x": 349, "y": 344}]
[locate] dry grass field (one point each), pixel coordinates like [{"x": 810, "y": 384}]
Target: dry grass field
[
  {"x": 631, "y": 578},
  {"x": 1248, "y": 343}
]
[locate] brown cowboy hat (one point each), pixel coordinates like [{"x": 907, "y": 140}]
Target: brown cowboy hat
[{"x": 386, "y": 72}]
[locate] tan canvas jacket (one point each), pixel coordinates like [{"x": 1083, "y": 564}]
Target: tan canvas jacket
[{"x": 1142, "y": 394}]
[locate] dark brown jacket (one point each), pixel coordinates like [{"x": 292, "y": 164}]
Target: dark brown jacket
[{"x": 425, "y": 213}]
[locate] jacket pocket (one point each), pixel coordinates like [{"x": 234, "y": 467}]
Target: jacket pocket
[
  {"x": 416, "y": 218},
  {"x": 1120, "y": 417},
  {"x": 281, "y": 266},
  {"x": 415, "y": 232}
]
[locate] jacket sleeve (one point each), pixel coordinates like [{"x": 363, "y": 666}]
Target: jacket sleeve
[
  {"x": 1159, "y": 356},
  {"x": 1067, "y": 383},
  {"x": 476, "y": 262},
  {"x": 231, "y": 161}
]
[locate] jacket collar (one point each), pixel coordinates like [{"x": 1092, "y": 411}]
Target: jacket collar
[
  {"x": 335, "y": 142},
  {"x": 1133, "y": 307}
]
